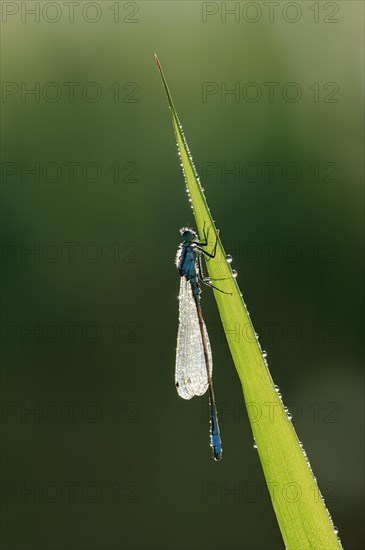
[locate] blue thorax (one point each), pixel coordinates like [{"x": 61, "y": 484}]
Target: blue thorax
[{"x": 187, "y": 258}]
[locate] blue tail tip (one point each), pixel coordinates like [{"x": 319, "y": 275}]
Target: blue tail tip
[{"x": 217, "y": 454}]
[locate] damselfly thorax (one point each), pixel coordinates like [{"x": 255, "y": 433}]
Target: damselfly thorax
[{"x": 187, "y": 263}]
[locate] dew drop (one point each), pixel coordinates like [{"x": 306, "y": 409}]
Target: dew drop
[
  {"x": 234, "y": 273},
  {"x": 229, "y": 258}
]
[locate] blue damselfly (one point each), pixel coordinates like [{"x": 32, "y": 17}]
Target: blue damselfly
[{"x": 194, "y": 366}]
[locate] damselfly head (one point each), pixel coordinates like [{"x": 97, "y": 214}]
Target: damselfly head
[{"x": 188, "y": 234}]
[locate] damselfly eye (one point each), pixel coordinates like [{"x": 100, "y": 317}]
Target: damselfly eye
[{"x": 188, "y": 234}]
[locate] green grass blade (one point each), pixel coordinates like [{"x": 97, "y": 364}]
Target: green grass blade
[{"x": 300, "y": 510}]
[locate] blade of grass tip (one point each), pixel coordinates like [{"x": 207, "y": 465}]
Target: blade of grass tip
[{"x": 303, "y": 518}]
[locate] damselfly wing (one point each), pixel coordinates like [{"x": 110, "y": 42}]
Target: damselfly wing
[{"x": 190, "y": 373}]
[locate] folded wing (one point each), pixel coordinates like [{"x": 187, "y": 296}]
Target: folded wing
[{"x": 190, "y": 370}]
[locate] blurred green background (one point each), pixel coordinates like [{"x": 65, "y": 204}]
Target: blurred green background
[{"x": 98, "y": 450}]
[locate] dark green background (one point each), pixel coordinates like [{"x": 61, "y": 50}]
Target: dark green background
[{"x": 307, "y": 312}]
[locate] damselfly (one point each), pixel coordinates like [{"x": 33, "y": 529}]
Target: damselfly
[{"x": 194, "y": 366}]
